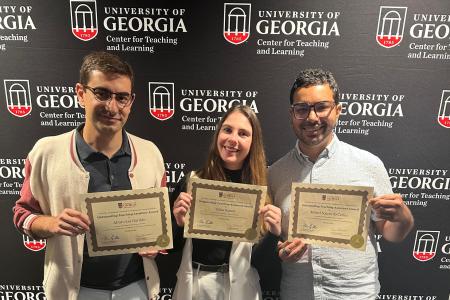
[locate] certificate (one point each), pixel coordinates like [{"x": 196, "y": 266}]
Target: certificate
[
  {"x": 127, "y": 221},
  {"x": 224, "y": 210},
  {"x": 330, "y": 215}
]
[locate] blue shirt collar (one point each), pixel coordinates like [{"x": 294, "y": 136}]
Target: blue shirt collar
[
  {"x": 84, "y": 150},
  {"x": 329, "y": 150}
]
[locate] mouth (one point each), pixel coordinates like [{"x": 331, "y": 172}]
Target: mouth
[
  {"x": 313, "y": 128},
  {"x": 230, "y": 149},
  {"x": 313, "y": 131},
  {"x": 109, "y": 118}
]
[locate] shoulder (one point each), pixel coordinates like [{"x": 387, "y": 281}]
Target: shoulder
[
  {"x": 52, "y": 144},
  {"x": 283, "y": 162},
  {"x": 142, "y": 144},
  {"x": 359, "y": 155}
]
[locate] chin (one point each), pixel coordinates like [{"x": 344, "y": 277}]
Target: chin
[{"x": 110, "y": 128}]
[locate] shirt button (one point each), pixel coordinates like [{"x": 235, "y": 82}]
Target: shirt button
[{"x": 131, "y": 175}]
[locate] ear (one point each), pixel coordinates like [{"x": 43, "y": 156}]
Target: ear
[{"x": 81, "y": 94}]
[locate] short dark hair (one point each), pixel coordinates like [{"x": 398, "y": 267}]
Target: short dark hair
[
  {"x": 107, "y": 63},
  {"x": 312, "y": 77}
]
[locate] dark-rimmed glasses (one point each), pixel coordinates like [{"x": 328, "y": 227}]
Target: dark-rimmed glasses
[
  {"x": 105, "y": 95},
  {"x": 322, "y": 109}
]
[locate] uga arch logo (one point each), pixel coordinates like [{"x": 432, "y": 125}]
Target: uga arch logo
[
  {"x": 33, "y": 245},
  {"x": 236, "y": 22},
  {"x": 425, "y": 244},
  {"x": 161, "y": 100},
  {"x": 17, "y": 94},
  {"x": 391, "y": 24},
  {"x": 83, "y": 16},
  {"x": 444, "y": 109}
]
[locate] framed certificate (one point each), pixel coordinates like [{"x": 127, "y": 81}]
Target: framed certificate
[
  {"x": 128, "y": 221},
  {"x": 224, "y": 210},
  {"x": 330, "y": 215}
]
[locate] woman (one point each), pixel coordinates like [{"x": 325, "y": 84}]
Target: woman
[{"x": 220, "y": 269}]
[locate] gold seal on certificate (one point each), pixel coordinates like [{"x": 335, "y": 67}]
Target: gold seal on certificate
[
  {"x": 224, "y": 210},
  {"x": 128, "y": 221},
  {"x": 330, "y": 215}
]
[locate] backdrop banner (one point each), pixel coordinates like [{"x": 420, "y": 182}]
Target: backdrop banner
[{"x": 194, "y": 59}]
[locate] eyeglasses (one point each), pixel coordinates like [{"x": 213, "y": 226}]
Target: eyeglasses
[
  {"x": 322, "y": 109},
  {"x": 105, "y": 95}
]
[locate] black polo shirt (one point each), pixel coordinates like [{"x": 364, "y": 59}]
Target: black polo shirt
[{"x": 107, "y": 174}]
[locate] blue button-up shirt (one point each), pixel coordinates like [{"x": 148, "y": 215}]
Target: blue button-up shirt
[{"x": 329, "y": 273}]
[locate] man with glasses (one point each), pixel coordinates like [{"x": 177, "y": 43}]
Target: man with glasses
[
  {"x": 314, "y": 272},
  {"x": 97, "y": 156}
]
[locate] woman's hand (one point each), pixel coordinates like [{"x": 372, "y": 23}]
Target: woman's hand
[
  {"x": 181, "y": 206},
  {"x": 271, "y": 216}
]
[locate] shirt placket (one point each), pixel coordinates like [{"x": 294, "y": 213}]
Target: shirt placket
[{"x": 316, "y": 252}]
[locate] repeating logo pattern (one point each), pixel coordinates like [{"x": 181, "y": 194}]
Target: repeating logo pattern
[
  {"x": 33, "y": 245},
  {"x": 425, "y": 244},
  {"x": 18, "y": 99},
  {"x": 391, "y": 24},
  {"x": 83, "y": 15},
  {"x": 236, "y": 22},
  {"x": 161, "y": 100},
  {"x": 444, "y": 109}
]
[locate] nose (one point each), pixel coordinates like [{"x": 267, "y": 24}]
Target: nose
[
  {"x": 312, "y": 116},
  {"x": 232, "y": 139},
  {"x": 112, "y": 105}
]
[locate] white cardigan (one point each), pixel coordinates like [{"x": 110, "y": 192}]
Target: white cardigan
[
  {"x": 244, "y": 279},
  {"x": 54, "y": 179}
]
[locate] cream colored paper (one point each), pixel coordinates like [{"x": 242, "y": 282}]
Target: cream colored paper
[
  {"x": 224, "y": 210},
  {"x": 128, "y": 221},
  {"x": 330, "y": 215}
]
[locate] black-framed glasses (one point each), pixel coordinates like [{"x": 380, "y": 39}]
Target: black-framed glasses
[
  {"x": 123, "y": 99},
  {"x": 322, "y": 109}
]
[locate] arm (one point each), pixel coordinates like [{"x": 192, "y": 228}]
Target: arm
[
  {"x": 69, "y": 222},
  {"x": 178, "y": 239},
  {"x": 271, "y": 215},
  {"x": 29, "y": 218},
  {"x": 265, "y": 250},
  {"x": 27, "y": 208},
  {"x": 396, "y": 218}
]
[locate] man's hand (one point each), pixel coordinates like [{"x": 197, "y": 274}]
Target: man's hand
[
  {"x": 181, "y": 206},
  {"x": 69, "y": 222},
  {"x": 292, "y": 251},
  {"x": 389, "y": 207},
  {"x": 397, "y": 220},
  {"x": 272, "y": 218}
]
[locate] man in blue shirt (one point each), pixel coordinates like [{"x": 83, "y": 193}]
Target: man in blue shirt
[{"x": 314, "y": 272}]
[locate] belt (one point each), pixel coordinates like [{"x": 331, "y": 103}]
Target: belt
[{"x": 210, "y": 268}]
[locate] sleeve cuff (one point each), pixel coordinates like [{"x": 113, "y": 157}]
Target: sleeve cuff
[{"x": 27, "y": 224}]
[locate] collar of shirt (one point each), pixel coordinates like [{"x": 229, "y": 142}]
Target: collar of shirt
[
  {"x": 328, "y": 152},
  {"x": 84, "y": 150}
]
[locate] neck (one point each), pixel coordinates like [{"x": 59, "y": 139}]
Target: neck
[{"x": 108, "y": 144}]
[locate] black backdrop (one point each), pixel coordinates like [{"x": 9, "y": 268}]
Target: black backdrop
[{"x": 391, "y": 59}]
